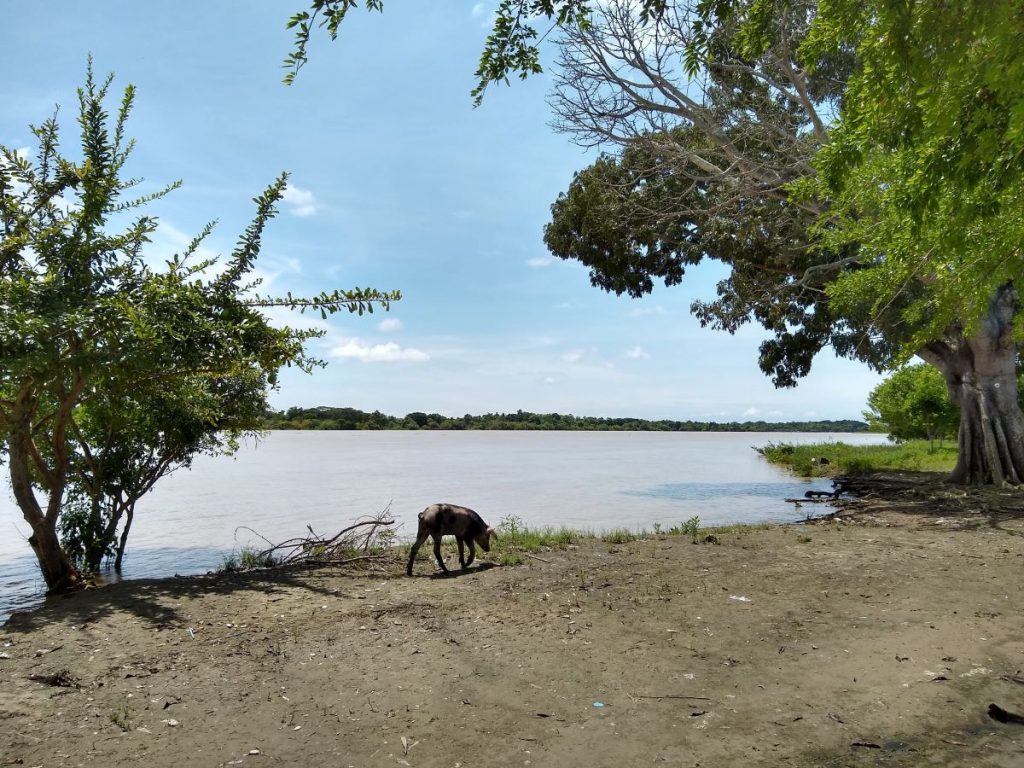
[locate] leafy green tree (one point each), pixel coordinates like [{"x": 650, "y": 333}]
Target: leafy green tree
[
  {"x": 836, "y": 235},
  {"x": 92, "y": 336},
  {"x": 924, "y": 170},
  {"x": 418, "y": 419},
  {"x": 126, "y": 439},
  {"x": 857, "y": 165},
  {"x": 704, "y": 169},
  {"x": 510, "y": 49},
  {"x": 913, "y": 403}
]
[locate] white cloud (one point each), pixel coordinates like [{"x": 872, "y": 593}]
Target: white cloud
[
  {"x": 751, "y": 412},
  {"x": 378, "y": 353},
  {"x": 302, "y": 202},
  {"x": 389, "y": 325},
  {"x": 483, "y": 14},
  {"x": 573, "y": 356},
  {"x": 538, "y": 262},
  {"x": 549, "y": 380},
  {"x": 638, "y": 353}
]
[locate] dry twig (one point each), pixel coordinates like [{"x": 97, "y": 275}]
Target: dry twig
[{"x": 360, "y": 542}]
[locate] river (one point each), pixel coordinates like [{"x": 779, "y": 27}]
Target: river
[{"x": 593, "y": 481}]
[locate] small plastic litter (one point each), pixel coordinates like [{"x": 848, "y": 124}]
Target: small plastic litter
[
  {"x": 741, "y": 598},
  {"x": 598, "y": 704}
]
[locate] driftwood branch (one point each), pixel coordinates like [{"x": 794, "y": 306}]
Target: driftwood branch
[{"x": 363, "y": 541}]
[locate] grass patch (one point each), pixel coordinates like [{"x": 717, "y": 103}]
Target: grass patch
[
  {"x": 123, "y": 717},
  {"x": 514, "y": 537},
  {"x": 690, "y": 528},
  {"x": 843, "y": 459},
  {"x": 621, "y": 536},
  {"x": 245, "y": 559},
  {"x": 515, "y": 541},
  {"x": 735, "y": 528}
]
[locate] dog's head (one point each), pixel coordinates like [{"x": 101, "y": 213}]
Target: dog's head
[{"x": 484, "y": 539}]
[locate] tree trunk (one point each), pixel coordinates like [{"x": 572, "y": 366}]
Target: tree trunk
[
  {"x": 58, "y": 571},
  {"x": 129, "y": 515},
  {"x": 980, "y": 374}
]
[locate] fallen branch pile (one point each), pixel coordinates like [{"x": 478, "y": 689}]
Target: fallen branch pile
[{"x": 365, "y": 541}]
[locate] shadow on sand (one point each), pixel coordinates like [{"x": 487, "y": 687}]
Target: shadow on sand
[
  {"x": 160, "y": 602},
  {"x": 956, "y": 507}
]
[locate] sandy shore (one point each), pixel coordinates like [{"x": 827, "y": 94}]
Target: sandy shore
[{"x": 878, "y": 639}]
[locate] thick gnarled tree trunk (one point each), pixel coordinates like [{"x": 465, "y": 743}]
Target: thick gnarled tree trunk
[
  {"x": 58, "y": 571},
  {"x": 980, "y": 374}
]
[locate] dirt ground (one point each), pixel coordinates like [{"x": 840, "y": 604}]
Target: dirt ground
[{"x": 879, "y": 638}]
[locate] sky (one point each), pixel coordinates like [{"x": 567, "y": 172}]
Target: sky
[{"x": 396, "y": 182}]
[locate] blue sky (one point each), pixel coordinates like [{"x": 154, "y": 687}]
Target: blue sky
[{"x": 396, "y": 183}]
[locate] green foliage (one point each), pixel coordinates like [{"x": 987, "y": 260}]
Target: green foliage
[
  {"x": 82, "y": 533},
  {"x": 513, "y": 536},
  {"x": 123, "y": 717},
  {"x": 246, "y": 559},
  {"x": 710, "y": 176},
  {"x": 913, "y": 403},
  {"x": 915, "y": 455},
  {"x": 619, "y": 536},
  {"x": 925, "y": 164},
  {"x": 113, "y": 372},
  {"x": 326, "y": 14},
  {"x": 323, "y": 417},
  {"x": 689, "y": 528}
]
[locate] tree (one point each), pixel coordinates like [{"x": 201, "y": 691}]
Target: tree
[
  {"x": 912, "y": 403},
  {"x": 723, "y": 162},
  {"x": 888, "y": 136},
  {"x": 704, "y": 169},
  {"x": 510, "y": 48},
  {"x": 89, "y": 330},
  {"x": 125, "y": 440},
  {"x": 924, "y": 171}
]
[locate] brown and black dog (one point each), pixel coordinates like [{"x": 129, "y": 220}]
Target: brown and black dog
[{"x": 463, "y": 523}]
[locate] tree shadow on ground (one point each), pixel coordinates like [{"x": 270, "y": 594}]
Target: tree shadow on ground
[
  {"x": 937, "y": 502},
  {"x": 162, "y": 602}
]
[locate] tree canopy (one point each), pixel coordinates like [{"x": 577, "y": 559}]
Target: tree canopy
[
  {"x": 855, "y": 164},
  {"x": 93, "y": 336},
  {"x": 912, "y": 403},
  {"x": 926, "y": 157},
  {"x": 325, "y": 417},
  {"x": 703, "y": 170}
]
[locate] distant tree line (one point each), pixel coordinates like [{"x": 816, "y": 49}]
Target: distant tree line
[{"x": 323, "y": 417}]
